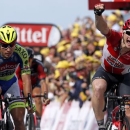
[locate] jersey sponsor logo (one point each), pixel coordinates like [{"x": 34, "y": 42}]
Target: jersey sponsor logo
[
  {"x": 7, "y": 72},
  {"x": 114, "y": 62},
  {"x": 7, "y": 69},
  {"x": 22, "y": 51}
]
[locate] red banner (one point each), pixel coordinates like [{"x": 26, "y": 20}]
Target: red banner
[
  {"x": 37, "y": 34},
  {"x": 109, "y": 4},
  {"x": 115, "y": 0}
]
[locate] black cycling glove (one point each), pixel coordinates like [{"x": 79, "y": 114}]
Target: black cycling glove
[{"x": 99, "y": 11}]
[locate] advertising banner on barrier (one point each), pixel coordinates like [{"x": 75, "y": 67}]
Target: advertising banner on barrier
[
  {"x": 69, "y": 116},
  {"x": 49, "y": 115},
  {"x": 63, "y": 116},
  {"x": 72, "y": 120},
  {"x": 37, "y": 34}
]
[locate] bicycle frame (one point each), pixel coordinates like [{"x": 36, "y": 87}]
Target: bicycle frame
[
  {"x": 118, "y": 124},
  {"x": 4, "y": 109},
  {"x": 27, "y": 115},
  {"x": 120, "y": 109},
  {"x": 5, "y": 115},
  {"x": 2, "y": 121}
]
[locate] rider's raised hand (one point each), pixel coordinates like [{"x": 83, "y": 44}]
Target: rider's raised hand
[{"x": 99, "y": 9}]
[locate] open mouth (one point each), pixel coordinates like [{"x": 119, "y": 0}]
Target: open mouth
[{"x": 128, "y": 40}]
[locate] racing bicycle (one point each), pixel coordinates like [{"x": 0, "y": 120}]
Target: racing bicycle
[
  {"x": 118, "y": 120},
  {"x": 30, "y": 119},
  {"x": 6, "y": 121}
]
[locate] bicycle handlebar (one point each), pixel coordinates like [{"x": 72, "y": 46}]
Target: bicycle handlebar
[
  {"x": 123, "y": 99},
  {"x": 28, "y": 98},
  {"x": 120, "y": 98}
]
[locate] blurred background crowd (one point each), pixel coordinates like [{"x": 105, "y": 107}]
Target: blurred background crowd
[{"x": 71, "y": 64}]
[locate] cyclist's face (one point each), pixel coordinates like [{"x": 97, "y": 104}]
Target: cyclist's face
[
  {"x": 6, "y": 52},
  {"x": 126, "y": 38}
]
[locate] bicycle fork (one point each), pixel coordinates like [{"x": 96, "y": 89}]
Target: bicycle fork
[
  {"x": 119, "y": 123},
  {"x": 116, "y": 124},
  {"x": 9, "y": 121}
]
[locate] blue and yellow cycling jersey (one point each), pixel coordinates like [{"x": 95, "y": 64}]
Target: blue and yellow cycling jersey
[{"x": 8, "y": 66}]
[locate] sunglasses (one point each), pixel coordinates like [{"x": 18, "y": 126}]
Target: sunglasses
[
  {"x": 127, "y": 32},
  {"x": 7, "y": 45}
]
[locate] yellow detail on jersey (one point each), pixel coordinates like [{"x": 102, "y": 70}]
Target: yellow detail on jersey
[
  {"x": 21, "y": 51},
  {"x": 16, "y": 104},
  {"x": 6, "y": 78}
]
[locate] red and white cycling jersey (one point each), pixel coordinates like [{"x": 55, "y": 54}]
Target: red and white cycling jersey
[{"x": 112, "y": 60}]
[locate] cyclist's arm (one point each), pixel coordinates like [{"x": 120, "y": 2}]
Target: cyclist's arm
[
  {"x": 26, "y": 84},
  {"x": 44, "y": 87},
  {"x": 101, "y": 25},
  {"x": 110, "y": 34},
  {"x": 42, "y": 76},
  {"x": 25, "y": 69}
]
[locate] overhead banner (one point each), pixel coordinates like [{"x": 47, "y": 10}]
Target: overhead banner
[
  {"x": 110, "y": 4},
  {"x": 115, "y": 0},
  {"x": 37, "y": 34}
]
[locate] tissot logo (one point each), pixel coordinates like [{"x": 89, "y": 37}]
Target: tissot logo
[{"x": 114, "y": 62}]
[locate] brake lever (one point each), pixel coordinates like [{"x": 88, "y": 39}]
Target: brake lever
[{"x": 30, "y": 100}]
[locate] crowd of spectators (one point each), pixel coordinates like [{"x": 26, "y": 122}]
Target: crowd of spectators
[{"x": 71, "y": 64}]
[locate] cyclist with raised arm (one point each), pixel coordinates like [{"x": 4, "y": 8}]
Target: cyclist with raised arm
[
  {"x": 12, "y": 55},
  {"x": 115, "y": 64},
  {"x": 39, "y": 86}
]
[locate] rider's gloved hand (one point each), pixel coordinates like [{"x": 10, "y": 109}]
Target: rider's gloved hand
[
  {"x": 46, "y": 101},
  {"x": 32, "y": 109},
  {"x": 99, "y": 9}
]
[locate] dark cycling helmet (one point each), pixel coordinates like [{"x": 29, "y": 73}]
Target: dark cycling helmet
[
  {"x": 126, "y": 26},
  {"x": 30, "y": 52},
  {"x": 8, "y": 34}
]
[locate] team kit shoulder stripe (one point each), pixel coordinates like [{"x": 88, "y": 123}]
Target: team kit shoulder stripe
[{"x": 21, "y": 51}]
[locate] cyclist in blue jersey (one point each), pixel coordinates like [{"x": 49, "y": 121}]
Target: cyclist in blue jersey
[{"x": 12, "y": 55}]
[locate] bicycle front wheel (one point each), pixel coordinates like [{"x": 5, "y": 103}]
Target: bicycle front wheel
[
  {"x": 9, "y": 125},
  {"x": 30, "y": 124},
  {"x": 2, "y": 125}
]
